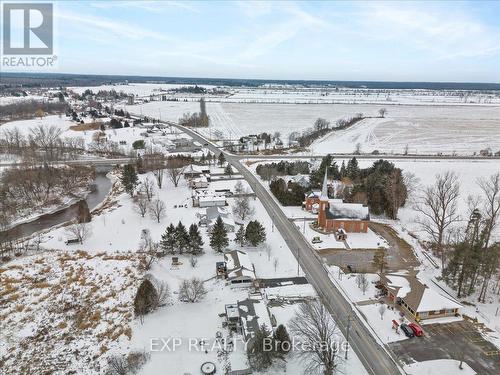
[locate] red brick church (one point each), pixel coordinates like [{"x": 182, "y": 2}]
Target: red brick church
[{"x": 334, "y": 214}]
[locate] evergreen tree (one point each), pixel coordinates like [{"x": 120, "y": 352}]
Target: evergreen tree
[
  {"x": 255, "y": 233},
  {"x": 259, "y": 355},
  {"x": 343, "y": 172},
  {"x": 195, "y": 241},
  {"x": 228, "y": 170},
  {"x": 129, "y": 178},
  {"x": 240, "y": 236},
  {"x": 218, "y": 236},
  {"x": 352, "y": 169},
  {"x": 222, "y": 159},
  {"x": 145, "y": 298},
  {"x": 181, "y": 237},
  {"x": 168, "y": 240},
  {"x": 203, "y": 159},
  {"x": 282, "y": 338}
]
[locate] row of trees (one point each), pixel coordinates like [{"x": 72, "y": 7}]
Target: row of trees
[
  {"x": 32, "y": 188},
  {"x": 283, "y": 168},
  {"x": 322, "y": 127},
  {"x": 42, "y": 143},
  {"x": 179, "y": 240},
  {"x": 288, "y": 194}
]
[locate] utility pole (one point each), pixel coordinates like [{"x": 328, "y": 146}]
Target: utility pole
[
  {"x": 347, "y": 335},
  {"x": 298, "y": 262},
  {"x": 304, "y": 226}
]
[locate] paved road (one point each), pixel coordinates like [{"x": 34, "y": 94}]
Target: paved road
[{"x": 375, "y": 359}]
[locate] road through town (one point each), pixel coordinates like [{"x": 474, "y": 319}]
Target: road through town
[{"x": 373, "y": 356}]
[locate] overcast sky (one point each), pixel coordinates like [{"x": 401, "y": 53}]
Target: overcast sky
[{"x": 389, "y": 41}]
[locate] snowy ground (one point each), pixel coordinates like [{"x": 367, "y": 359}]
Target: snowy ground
[
  {"x": 451, "y": 132},
  {"x": 425, "y": 129},
  {"x": 127, "y": 135},
  {"x": 438, "y": 367},
  {"x": 66, "y": 311},
  {"x": 117, "y": 229}
]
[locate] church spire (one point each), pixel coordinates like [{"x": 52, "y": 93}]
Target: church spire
[{"x": 324, "y": 190}]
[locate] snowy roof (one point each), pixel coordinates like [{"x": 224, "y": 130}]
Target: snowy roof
[
  {"x": 314, "y": 194},
  {"x": 417, "y": 295},
  {"x": 238, "y": 265},
  {"x": 215, "y": 211},
  {"x": 225, "y": 219},
  {"x": 192, "y": 169},
  {"x": 340, "y": 210},
  {"x": 212, "y": 198},
  {"x": 253, "y": 313}
]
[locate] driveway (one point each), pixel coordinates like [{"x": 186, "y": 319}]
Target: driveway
[
  {"x": 457, "y": 340},
  {"x": 399, "y": 253}
]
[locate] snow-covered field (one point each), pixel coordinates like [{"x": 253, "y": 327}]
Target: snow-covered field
[
  {"x": 422, "y": 134},
  {"x": 425, "y": 129},
  {"x": 115, "y": 232}
]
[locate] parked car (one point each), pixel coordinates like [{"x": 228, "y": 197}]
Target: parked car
[
  {"x": 316, "y": 240},
  {"x": 417, "y": 330},
  {"x": 407, "y": 330}
]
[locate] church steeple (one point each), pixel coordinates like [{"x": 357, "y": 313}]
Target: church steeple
[{"x": 324, "y": 190}]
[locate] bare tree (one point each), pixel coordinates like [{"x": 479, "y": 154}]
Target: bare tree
[
  {"x": 141, "y": 204},
  {"x": 192, "y": 290},
  {"x": 357, "y": 150},
  {"x": 158, "y": 173},
  {"x": 148, "y": 248},
  {"x": 438, "y": 205},
  {"x": 239, "y": 188},
  {"x": 157, "y": 209},
  {"x": 148, "y": 188},
  {"x": 275, "y": 264},
  {"x": 317, "y": 331},
  {"x": 81, "y": 231},
  {"x": 362, "y": 282},
  {"x": 242, "y": 208},
  {"x": 412, "y": 183},
  {"x": 382, "y": 112},
  {"x": 175, "y": 166},
  {"x": 490, "y": 188},
  {"x": 163, "y": 294},
  {"x": 381, "y": 310}
]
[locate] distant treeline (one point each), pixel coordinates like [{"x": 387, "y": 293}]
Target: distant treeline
[
  {"x": 58, "y": 79},
  {"x": 322, "y": 127},
  {"x": 30, "y": 108}
]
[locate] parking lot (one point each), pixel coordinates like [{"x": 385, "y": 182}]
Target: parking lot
[{"x": 457, "y": 340}]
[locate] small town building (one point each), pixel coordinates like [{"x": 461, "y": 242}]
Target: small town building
[
  {"x": 312, "y": 198},
  {"x": 334, "y": 214},
  {"x": 239, "y": 270},
  {"x": 199, "y": 183},
  {"x": 416, "y": 298}
]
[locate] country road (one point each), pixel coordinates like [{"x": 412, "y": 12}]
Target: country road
[{"x": 373, "y": 356}]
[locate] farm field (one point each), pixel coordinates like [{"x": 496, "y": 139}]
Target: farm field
[{"x": 425, "y": 129}]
